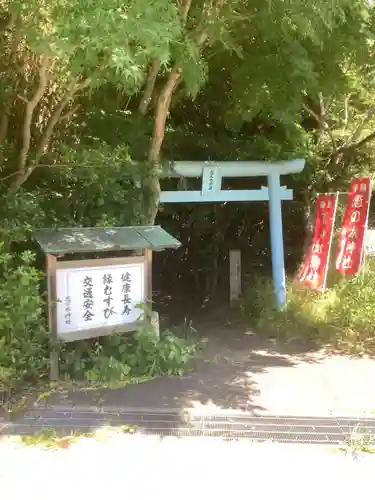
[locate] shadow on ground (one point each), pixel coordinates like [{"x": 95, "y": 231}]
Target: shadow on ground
[
  {"x": 246, "y": 385},
  {"x": 223, "y": 379},
  {"x": 224, "y": 382}
]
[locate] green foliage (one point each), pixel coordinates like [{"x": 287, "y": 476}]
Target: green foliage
[
  {"x": 119, "y": 358},
  {"x": 296, "y": 49},
  {"x": 342, "y": 317},
  {"x": 111, "y": 41},
  {"x": 245, "y": 60},
  {"x": 170, "y": 355},
  {"x": 57, "y": 58},
  {"x": 23, "y": 336},
  {"x": 20, "y": 216},
  {"x": 91, "y": 196}
]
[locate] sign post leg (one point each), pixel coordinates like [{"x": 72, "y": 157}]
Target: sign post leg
[
  {"x": 235, "y": 275},
  {"x": 51, "y": 261},
  {"x": 152, "y": 316},
  {"x": 54, "y": 366},
  {"x": 276, "y": 233}
]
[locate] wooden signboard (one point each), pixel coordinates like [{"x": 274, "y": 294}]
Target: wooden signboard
[{"x": 90, "y": 298}]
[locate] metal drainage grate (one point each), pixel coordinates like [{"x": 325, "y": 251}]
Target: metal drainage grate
[{"x": 325, "y": 430}]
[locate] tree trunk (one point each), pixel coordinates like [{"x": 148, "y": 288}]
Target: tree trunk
[{"x": 151, "y": 185}]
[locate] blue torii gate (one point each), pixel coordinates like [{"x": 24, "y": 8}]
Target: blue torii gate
[{"x": 212, "y": 174}]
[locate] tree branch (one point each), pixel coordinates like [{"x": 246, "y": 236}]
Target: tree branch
[
  {"x": 150, "y": 85},
  {"x": 362, "y": 142},
  {"x": 24, "y": 173},
  {"x": 346, "y": 110},
  {"x": 161, "y": 113},
  {"x": 54, "y": 119},
  {"x": 68, "y": 115},
  {"x": 344, "y": 154},
  {"x": 322, "y": 107},
  {"x": 361, "y": 126},
  {"x": 185, "y": 9},
  {"x": 322, "y": 123},
  {"x": 26, "y": 129}
]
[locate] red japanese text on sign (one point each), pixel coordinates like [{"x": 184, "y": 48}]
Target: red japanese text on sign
[
  {"x": 350, "y": 251},
  {"x": 314, "y": 270}
]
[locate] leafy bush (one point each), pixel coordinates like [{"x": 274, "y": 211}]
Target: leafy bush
[
  {"x": 120, "y": 358},
  {"x": 343, "y": 316},
  {"x": 23, "y": 335}
]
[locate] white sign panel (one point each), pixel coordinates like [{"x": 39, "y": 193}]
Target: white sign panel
[
  {"x": 211, "y": 181},
  {"x": 370, "y": 242},
  {"x": 96, "y": 297}
]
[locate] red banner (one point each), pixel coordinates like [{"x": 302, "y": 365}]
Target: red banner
[
  {"x": 352, "y": 233},
  {"x": 314, "y": 271}
]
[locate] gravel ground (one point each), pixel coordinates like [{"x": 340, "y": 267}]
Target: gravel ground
[{"x": 118, "y": 466}]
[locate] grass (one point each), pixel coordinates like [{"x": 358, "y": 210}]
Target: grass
[
  {"x": 357, "y": 443},
  {"x": 343, "y": 317},
  {"x": 49, "y": 439},
  {"x": 113, "y": 362}
]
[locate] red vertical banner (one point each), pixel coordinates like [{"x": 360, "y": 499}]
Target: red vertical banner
[
  {"x": 352, "y": 233},
  {"x": 314, "y": 270}
]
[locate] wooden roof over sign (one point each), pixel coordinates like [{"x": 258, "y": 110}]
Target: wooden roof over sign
[{"x": 97, "y": 239}]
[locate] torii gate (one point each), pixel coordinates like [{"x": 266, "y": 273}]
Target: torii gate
[{"x": 212, "y": 174}]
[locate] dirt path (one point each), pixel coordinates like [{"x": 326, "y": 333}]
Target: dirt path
[
  {"x": 267, "y": 377},
  {"x": 249, "y": 373}
]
